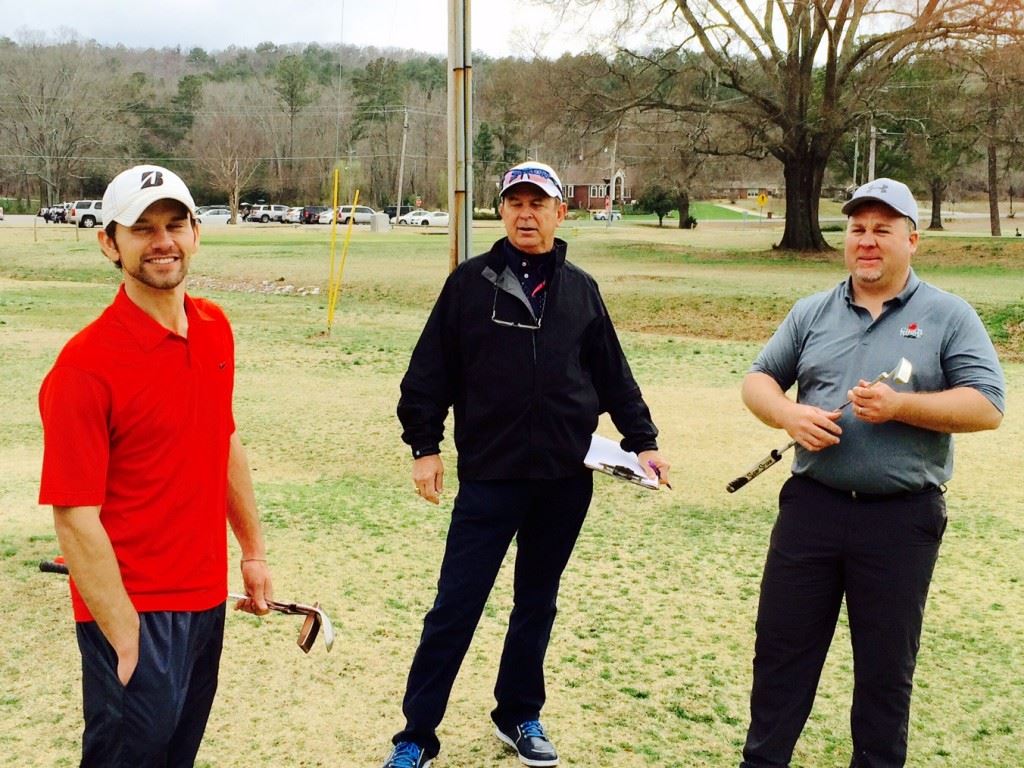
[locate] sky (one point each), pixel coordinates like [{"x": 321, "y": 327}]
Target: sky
[{"x": 498, "y": 27}]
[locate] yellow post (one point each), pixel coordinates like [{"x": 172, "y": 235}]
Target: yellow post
[
  {"x": 335, "y": 287},
  {"x": 331, "y": 279}
]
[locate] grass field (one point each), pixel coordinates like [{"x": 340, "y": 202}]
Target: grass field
[{"x": 649, "y": 663}]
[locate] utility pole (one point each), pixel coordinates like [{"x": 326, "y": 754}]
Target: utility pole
[
  {"x": 401, "y": 167},
  {"x": 856, "y": 155},
  {"x": 460, "y": 126},
  {"x": 611, "y": 178},
  {"x": 871, "y": 151}
]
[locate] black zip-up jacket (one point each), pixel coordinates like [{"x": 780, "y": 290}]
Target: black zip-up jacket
[{"x": 526, "y": 400}]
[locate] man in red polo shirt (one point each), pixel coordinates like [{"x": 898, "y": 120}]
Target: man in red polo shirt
[{"x": 144, "y": 470}]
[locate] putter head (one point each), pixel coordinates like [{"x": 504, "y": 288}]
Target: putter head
[
  {"x": 901, "y": 373},
  {"x": 328, "y": 628},
  {"x": 309, "y": 631},
  {"x": 315, "y": 620}
]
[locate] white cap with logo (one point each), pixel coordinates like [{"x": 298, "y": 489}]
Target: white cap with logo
[
  {"x": 133, "y": 191},
  {"x": 539, "y": 174},
  {"x": 890, "y": 192}
]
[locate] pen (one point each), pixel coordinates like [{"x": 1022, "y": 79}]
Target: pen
[{"x": 657, "y": 471}]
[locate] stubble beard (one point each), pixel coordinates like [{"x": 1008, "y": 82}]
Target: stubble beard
[{"x": 161, "y": 282}]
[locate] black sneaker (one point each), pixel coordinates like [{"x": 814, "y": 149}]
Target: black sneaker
[
  {"x": 530, "y": 742},
  {"x": 408, "y": 755}
]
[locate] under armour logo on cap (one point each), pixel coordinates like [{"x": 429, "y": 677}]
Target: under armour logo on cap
[
  {"x": 890, "y": 192},
  {"x": 152, "y": 179}
]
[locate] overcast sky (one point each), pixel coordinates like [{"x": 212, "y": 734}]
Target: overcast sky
[{"x": 499, "y": 27}]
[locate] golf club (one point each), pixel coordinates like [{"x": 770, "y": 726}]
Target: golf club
[
  {"x": 900, "y": 374},
  {"x": 315, "y": 619}
]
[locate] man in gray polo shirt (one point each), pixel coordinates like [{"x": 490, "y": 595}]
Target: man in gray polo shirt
[{"x": 863, "y": 514}]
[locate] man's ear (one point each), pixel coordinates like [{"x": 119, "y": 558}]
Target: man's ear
[{"x": 108, "y": 245}]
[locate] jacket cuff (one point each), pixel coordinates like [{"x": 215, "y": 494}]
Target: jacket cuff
[
  {"x": 641, "y": 446},
  {"x": 419, "y": 451}
]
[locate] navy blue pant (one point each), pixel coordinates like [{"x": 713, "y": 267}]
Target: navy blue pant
[
  {"x": 545, "y": 517},
  {"x": 158, "y": 719},
  {"x": 879, "y": 554}
]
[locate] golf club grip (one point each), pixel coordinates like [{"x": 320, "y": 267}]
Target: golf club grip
[
  {"x": 768, "y": 461},
  {"x": 48, "y": 566}
]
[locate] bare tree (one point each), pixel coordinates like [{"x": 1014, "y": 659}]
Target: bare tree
[
  {"x": 796, "y": 74},
  {"x": 227, "y": 144},
  {"x": 59, "y": 111}
]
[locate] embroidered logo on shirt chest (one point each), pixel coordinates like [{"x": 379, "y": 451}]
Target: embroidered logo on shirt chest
[{"x": 911, "y": 331}]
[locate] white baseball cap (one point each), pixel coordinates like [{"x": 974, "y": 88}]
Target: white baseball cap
[
  {"x": 133, "y": 191},
  {"x": 890, "y": 192},
  {"x": 539, "y": 174}
]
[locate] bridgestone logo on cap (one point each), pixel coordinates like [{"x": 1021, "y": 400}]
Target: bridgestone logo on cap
[{"x": 152, "y": 179}]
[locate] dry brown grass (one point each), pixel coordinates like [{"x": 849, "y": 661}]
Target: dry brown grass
[{"x": 651, "y": 653}]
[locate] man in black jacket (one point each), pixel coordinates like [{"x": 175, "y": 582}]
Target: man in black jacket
[{"x": 521, "y": 345}]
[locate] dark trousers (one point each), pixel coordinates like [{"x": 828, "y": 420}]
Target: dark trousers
[
  {"x": 545, "y": 517},
  {"x": 879, "y": 554},
  {"x": 158, "y": 719}
]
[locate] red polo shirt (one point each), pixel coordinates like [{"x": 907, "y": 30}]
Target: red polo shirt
[{"x": 137, "y": 420}]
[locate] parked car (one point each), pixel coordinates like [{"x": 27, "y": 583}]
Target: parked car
[
  {"x": 390, "y": 211},
  {"x": 326, "y": 216},
  {"x": 434, "y": 219},
  {"x": 265, "y": 213},
  {"x": 294, "y": 216},
  {"x": 603, "y": 215},
  {"x": 213, "y": 215},
  {"x": 86, "y": 213},
  {"x": 363, "y": 214},
  {"x": 311, "y": 213},
  {"x": 406, "y": 218},
  {"x": 429, "y": 218}
]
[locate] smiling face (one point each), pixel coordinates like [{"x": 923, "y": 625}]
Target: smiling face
[
  {"x": 879, "y": 245},
  {"x": 531, "y": 218},
  {"x": 155, "y": 251}
]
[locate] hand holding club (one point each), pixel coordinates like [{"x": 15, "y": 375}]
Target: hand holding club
[{"x": 900, "y": 375}]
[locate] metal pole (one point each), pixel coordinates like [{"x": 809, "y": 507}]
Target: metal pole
[
  {"x": 871, "y": 151},
  {"x": 611, "y": 179},
  {"x": 401, "y": 168},
  {"x": 856, "y": 155},
  {"x": 460, "y": 125}
]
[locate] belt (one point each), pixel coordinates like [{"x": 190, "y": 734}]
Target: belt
[{"x": 862, "y": 496}]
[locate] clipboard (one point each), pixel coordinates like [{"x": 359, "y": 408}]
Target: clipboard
[{"x": 606, "y": 456}]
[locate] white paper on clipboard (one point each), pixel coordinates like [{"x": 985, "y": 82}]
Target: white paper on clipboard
[{"x": 606, "y": 456}]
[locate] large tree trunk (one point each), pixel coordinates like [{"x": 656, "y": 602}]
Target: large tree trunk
[
  {"x": 938, "y": 187},
  {"x": 803, "y": 173},
  {"x": 993, "y": 189},
  {"x": 683, "y": 204}
]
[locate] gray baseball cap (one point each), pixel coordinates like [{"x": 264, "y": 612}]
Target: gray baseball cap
[{"x": 890, "y": 192}]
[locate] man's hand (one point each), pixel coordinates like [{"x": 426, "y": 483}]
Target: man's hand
[
  {"x": 655, "y": 466},
  {"x": 258, "y": 587},
  {"x": 875, "y": 404},
  {"x": 128, "y": 659},
  {"x": 428, "y": 477},
  {"x": 814, "y": 428}
]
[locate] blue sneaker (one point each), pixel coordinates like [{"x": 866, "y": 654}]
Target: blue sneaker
[
  {"x": 408, "y": 755},
  {"x": 530, "y": 743}
]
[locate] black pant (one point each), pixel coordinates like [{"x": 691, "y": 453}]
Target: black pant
[
  {"x": 545, "y": 516},
  {"x": 158, "y": 719},
  {"x": 880, "y": 554}
]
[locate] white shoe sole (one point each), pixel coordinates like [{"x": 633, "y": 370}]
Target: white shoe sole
[{"x": 523, "y": 760}]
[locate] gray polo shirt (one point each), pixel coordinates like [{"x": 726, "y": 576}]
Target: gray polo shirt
[{"x": 826, "y": 344}]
